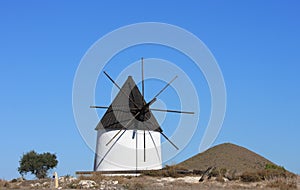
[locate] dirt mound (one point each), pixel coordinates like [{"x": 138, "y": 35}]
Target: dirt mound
[{"x": 227, "y": 156}]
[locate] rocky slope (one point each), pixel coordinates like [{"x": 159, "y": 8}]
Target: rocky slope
[{"x": 227, "y": 156}]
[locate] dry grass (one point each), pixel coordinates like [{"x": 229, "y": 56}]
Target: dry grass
[
  {"x": 250, "y": 177},
  {"x": 4, "y": 184},
  {"x": 270, "y": 173},
  {"x": 283, "y": 183},
  {"x": 136, "y": 186},
  {"x": 148, "y": 183},
  {"x": 97, "y": 177},
  {"x": 167, "y": 171}
]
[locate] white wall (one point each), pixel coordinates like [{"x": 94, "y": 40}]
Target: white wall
[{"x": 123, "y": 154}]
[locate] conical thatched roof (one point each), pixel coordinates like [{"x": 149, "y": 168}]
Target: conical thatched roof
[{"x": 122, "y": 110}]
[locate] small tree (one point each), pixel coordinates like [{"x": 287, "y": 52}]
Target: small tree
[{"x": 37, "y": 164}]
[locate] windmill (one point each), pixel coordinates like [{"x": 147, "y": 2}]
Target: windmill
[{"x": 128, "y": 135}]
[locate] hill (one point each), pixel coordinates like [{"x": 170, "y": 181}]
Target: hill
[{"x": 228, "y": 156}]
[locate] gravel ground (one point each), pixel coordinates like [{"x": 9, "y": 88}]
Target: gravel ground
[{"x": 149, "y": 183}]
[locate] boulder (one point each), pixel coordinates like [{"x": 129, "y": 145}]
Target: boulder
[{"x": 86, "y": 184}]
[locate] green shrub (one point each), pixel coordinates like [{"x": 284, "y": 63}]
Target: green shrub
[
  {"x": 37, "y": 164},
  {"x": 273, "y": 171},
  {"x": 274, "y": 167}
]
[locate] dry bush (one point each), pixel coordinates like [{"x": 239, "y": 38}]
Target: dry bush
[
  {"x": 14, "y": 180},
  {"x": 153, "y": 173},
  {"x": 214, "y": 173},
  {"x": 178, "y": 185},
  {"x": 222, "y": 172},
  {"x": 120, "y": 179},
  {"x": 270, "y": 172},
  {"x": 134, "y": 183},
  {"x": 250, "y": 177},
  {"x": 220, "y": 179},
  {"x": 283, "y": 183},
  {"x": 218, "y": 172},
  {"x": 167, "y": 171},
  {"x": 136, "y": 186},
  {"x": 97, "y": 177},
  {"x": 170, "y": 171},
  {"x": 72, "y": 186},
  {"x": 231, "y": 175},
  {"x": 273, "y": 171}
]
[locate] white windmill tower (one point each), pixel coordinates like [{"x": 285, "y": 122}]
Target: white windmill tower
[{"x": 128, "y": 135}]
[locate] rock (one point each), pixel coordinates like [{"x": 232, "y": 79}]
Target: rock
[
  {"x": 231, "y": 175},
  {"x": 111, "y": 188},
  {"x": 71, "y": 179},
  {"x": 74, "y": 186},
  {"x": 115, "y": 182},
  {"x": 102, "y": 183},
  {"x": 108, "y": 184},
  {"x": 35, "y": 185},
  {"x": 166, "y": 179},
  {"x": 46, "y": 184},
  {"x": 158, "y": 184},
  {"x": 86, "y": 184},
  {"x": 61, "y": 179},
  {"x": 225, "y": 179},
  {"x": 102, "y": 186},
  {"x": 189, "y": 179},
  {"x": 67, "y": 179}
]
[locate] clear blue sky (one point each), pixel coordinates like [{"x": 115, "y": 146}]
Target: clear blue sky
[{"x": 256, "y": 44}]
